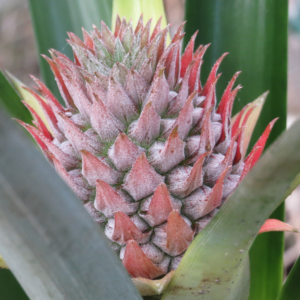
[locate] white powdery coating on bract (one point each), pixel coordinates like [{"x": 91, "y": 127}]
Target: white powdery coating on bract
[
  {"x": 165, "y": 156},
  {"x": 230, "y": 184},
  {"x": 124, "y": 153},
  {"x": 142, "y": 180},
  {"x": 196, "y": 202}
]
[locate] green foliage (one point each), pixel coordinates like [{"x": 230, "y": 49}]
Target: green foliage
[
  {"x": 10, "y": 99},
  {"x": 48, "y": 239},
  {"x": 291, "y": 288},
  {"x": 255, "y": 34}
]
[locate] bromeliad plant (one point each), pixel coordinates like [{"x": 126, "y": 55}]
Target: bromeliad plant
[
  {"x": 153, "y": 159},
  {"x": 141, "y": 142}
]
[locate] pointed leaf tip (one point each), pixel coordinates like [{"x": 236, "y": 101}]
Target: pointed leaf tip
[{"x": 277, "y": 225}]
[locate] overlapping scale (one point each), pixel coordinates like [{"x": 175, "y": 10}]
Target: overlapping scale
[{"x": 141, "y": 142}]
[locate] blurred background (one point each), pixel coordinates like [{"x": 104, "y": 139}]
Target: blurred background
[{"x": 18, "y": 55}]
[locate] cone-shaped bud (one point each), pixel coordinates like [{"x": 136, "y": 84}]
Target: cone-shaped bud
[
  {"x": 164, "y": 157},
  {"x": 184, "y": 180},
  {"x": 138, "y": 264},
  {"x": 125, "y": 230},
  {"x": 136, "y": 110},
  {"x": 108, "y": 201},
  {"x": 93, "y": 169},
  {"x": 146, "y": 129},
  {"x": 104, "y": 122},
  {"x": 124, "y": 152},
  {"x": 160, "y": 206},
  {"x": 119, "y": 103},
  {"x": 142, "y": 180},
  {"x": 175, "y": 236}
]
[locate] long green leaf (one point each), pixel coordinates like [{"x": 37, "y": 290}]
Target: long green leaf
[
  {"x": 48, "y": 240},
  {"x": 212, "y": 261},
  {"x": 12, "y": 101},
  {"x": 291, "y": 288},
  {"x": 255, "y": 34},
  {"x": 53, "y": 19}
]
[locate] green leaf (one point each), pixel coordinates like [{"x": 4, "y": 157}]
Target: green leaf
[
  {"x": 132, "y": 9},
  {"x": 48, "y": 239},
  {"x": 10, "y": 289},
  {"x": 255, "y": 34},
  {"x": 53, "y": 19},
  {"x": 10, "y": 99},
  {"x": 212, "y": 261},
  {"x": 291, "y": 288}
]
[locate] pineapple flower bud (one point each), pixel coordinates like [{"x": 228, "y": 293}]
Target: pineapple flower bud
[{"x": 141, "y": 142}]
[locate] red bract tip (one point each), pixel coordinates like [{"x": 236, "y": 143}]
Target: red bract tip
[
  {"x": 212, "y": 76},
  {"x": 260, "y": 145},
  {"x": 187, "y": 55}
]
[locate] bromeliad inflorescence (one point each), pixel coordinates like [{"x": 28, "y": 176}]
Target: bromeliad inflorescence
[{"x": 140, "y": 140}]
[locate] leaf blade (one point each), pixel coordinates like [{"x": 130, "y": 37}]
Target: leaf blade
[
  {"x": 12, "y": 101},
  {"x": 65, "y": 259},
  {"x": 291, "y": 288}
]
